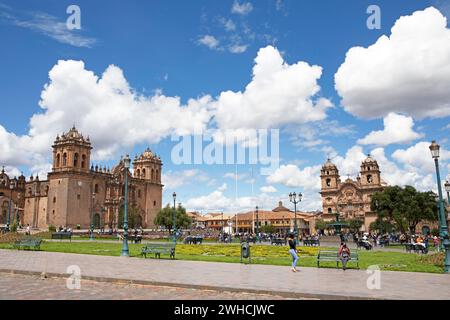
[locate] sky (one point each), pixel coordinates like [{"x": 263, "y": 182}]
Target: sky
[{"x": 324, "y": 79}]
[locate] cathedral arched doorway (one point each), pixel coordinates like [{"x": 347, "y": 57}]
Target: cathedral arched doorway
[
  {"x": 97, "y": 221},
  {"x": 4, "y": 213}
]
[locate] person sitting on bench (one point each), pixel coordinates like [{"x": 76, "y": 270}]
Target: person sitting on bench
[{"x": 344, "y": 254}]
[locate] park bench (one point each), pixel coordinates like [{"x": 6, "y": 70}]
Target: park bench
[
  {"x": 62, "y": 235},
  {"x": 417, "y": 248},
  {"x": 384, "y": 242},
  {"x": 135, "y": 239},
  {"x": 362, "y": 244},
  {"x": 28, "y": 244},
  {"x": 278, "y": 241},
  {"x": 333, "y": 256},
  {"x": 158, "y": 249},
  {"x": 311, "y": 242},
  {"x": 193, "y": 240}
]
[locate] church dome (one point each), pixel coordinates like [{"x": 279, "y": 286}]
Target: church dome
[
  {"x": 369, "y": 160},
  {"x": 329, "y": 165},
  {"x": 147, "y": 155}
]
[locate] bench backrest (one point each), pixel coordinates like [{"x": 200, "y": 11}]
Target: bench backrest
[{"x": 334, "y": 254}]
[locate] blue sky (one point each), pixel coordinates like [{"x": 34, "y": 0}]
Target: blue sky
[{"x": 192, "y": 49}]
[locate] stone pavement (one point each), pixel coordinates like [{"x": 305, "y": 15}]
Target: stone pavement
[
  {"x": 29, "y": 287},
  {"x": 261, "y": 279}
]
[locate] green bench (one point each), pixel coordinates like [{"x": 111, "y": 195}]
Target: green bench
[
  {"x": 28, "y": 244},
  {"x": 62, "y": 235},
  {"x": 158, "y": 249},
  {"x": 327, "y": 256}
]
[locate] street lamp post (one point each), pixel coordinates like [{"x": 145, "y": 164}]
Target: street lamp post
[
  {"x": 257, "y": 225},
  {"x": 295, "y": 201},
  {"x": 125, "y": 250},
  {"x": 447, "y": 189},
  {"x": 11, "y": 188},
  {"x": 174, "y": 222},
  {"x": 91, "y": 235},
  {"x": 434, "y": 148}
]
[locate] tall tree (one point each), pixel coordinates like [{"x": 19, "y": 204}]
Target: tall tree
[
  {"x": 355, "y": 224},
  {"x": 404, "y": 207},
  {"x": 164, "y": 217}
]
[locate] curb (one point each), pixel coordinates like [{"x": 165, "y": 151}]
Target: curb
[{"x": 290, "y": 295}]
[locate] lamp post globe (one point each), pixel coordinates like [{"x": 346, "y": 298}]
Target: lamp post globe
[
  {"x": 443, "y": 230},
  {"x": 447, "y": 189},
  {"x": 125, "y": 250}
]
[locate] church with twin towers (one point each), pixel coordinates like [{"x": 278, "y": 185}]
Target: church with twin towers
[{"x": 77, "y": 191}]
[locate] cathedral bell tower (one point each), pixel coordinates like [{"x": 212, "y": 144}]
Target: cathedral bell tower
[
  {"x": 370, "y": 172},
  {"x": 71, "y": 152},
  {"x": 329, "y": 176},
  {"x": 148, "y": 167}
]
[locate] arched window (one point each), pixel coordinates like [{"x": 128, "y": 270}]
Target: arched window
[
  {"x": 64, "y": 162},
  {"x": 369, "y": 178},
  {"x": 96, "y": 188},
  {"x": 157, "y": 175},
  {"x": 330, "y": 211},
  {"x": 143, "y": 174},
  {"x": 54, "y": 199},
  {"x": 58, "y": 160},
  {"x": 75, "y": 160},
  {"x": 328, "y": 182},
  {"x": 138, "y": 173},
  {"x": 153, "y": 174},
  {"x": 83, "y": 161}
]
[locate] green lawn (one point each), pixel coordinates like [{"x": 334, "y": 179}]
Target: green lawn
[{"x": 270, "y": 255}]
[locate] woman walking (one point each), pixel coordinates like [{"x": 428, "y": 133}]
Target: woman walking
[{"x": 293, "y": 252}]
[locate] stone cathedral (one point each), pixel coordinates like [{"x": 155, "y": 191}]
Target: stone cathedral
[
  {"x": 77, "y": 192},
  {"x": 350, "y": 198}
]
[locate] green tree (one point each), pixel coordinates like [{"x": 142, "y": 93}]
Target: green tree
[
  {"x": 268, "y": 229},
  {"x": 164, "y": 217},
  {"x": 404, "y": 207},
  {"x": 321, "y": 225},
  {"x": 355, "y": 224},
  {"x": 134, "y": 217}
]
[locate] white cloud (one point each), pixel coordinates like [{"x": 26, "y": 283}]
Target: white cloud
[
  {"x": 235, "y": 48},
  {"x": 242, "y": 9},
  {"x": 291, "y": 176},
  {"x": 284, "y": 91},
  {"x": 228, "y": 24},
  {"x": 268, "y": 189},
  {"x": 210, "y": 41},
  {"x": 177, "y": 179},
  {"x": 47, "y": 25},
  {"x": 397, "y": 129},
  {"x": 408, "y": 72},
  {"x": 223, "y": 188},
  {"x": 418, "y": 157}
]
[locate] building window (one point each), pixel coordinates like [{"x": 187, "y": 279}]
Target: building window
[
  {"x": 96, "y": 188},
  {"x": 83, "y": 161},
  {"x": 143, "y": 174},
  {"x": 369, "y": 178},
  {"x": 54, "y": 199},
  {"x": 64, "y": 160},
  {"x": 138, "y": 173},
  {"x": 153, "y": 174},
  {"x": 58, "y": 160},
  {"x": 79, "y": 197},
  {"x": 154, "y": 203},
  {"x": 330, "y": 211},
  {"x": 328, "y": 182},
  {"x": 75, "y": 160}
]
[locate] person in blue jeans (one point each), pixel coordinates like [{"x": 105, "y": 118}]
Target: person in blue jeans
[{"x": 293, "y": 252}]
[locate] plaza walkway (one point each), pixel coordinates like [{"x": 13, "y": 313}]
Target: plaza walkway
[{"x": 261, "y": 279}]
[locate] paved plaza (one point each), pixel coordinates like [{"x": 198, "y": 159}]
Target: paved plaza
[
  {"x": 29, "y": 287},
  {"x": 259, "y": 279}
]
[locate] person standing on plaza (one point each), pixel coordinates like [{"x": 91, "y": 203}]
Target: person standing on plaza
[{"x": 293, "y": 252}]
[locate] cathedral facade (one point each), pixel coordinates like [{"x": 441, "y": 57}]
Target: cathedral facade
[
  {"x": 351, "y": 198},
  {"x": 76, "y": 192}
]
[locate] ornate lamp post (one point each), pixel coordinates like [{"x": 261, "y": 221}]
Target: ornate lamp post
[
  {"x": 11, "y": 188},
  {"x": 434, "y": 148},
  {"x": 91, "y": 231},
  {"x": 447, "y": 189},
  {"x": 257, "y": 225},
  {"x": 293, "y": 198},
  {"x": 174, "y": 222},
  {"x": 125, "y": 250}
]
